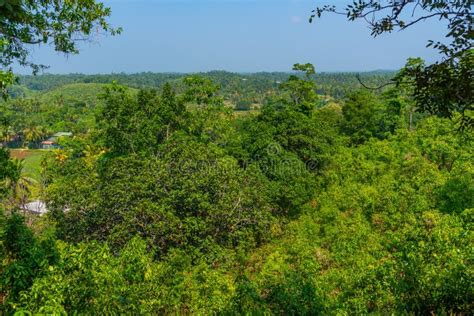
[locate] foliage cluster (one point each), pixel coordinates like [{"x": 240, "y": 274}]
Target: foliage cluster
[{"x": 172, "y": 204}]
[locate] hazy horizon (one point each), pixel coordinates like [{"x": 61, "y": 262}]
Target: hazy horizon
[{"x": 201, "y": 72}]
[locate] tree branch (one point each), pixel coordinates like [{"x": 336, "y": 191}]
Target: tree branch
[{"x": 374, "y": 88}]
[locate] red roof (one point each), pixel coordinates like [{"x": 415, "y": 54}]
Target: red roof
[{"x": 47, "y": 142}]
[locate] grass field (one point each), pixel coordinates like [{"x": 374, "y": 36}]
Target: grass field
[{"x": 32, "y": 166}]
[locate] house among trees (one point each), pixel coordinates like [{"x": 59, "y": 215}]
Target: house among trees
[
  {"x": 52, "y": 142},
  {"x": 35, "y": 207}
]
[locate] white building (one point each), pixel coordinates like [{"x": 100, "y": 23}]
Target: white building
[{"x": 36, "y": 207}]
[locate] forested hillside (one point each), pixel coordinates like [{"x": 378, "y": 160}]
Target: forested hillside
[
  {"x": 272, "y": 193},
  {"x": 171, "y": 203},
  {"x": 233, "y": 85},
  {"x": 43, "y": 105}
]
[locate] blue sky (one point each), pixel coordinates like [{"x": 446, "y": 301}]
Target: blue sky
[{"x": 238, "y": 35}]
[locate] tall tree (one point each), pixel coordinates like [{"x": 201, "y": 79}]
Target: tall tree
[
  {"x": 301, "y": 93},
  {"x": 17, "y": 183}
]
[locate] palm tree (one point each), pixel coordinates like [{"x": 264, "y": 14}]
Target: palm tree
[
  {"x": 6, "y": 133},
  {"x": 17, "y": 183},
  {"x": 33, "y": 134}
]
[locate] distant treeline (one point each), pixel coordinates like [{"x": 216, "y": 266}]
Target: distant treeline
[{"x": 235, "y": 87}]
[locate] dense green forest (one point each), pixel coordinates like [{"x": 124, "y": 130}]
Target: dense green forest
[
  {"x": 42, "y": 105},
  {"x": 234, "y": 86},
  {"x": 298, "y": 193},
  {"x": 169, "y": 203}
]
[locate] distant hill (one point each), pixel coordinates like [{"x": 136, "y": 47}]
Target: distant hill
[
  {"x": 18, "y": 91},
  {"x": 252, "y": 88},
  {"x": 77, "y": 92}
]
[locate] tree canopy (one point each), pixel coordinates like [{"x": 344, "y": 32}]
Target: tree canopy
[{"x": 317, "y": 197}]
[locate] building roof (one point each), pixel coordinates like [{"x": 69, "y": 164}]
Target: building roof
[
  {"x": 36, "y": 207},
  {"x": 60, "y": 134},
  {"x": 54, "y": 139}
]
